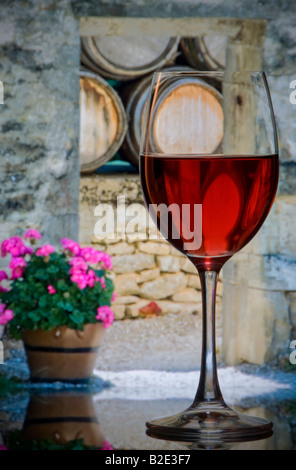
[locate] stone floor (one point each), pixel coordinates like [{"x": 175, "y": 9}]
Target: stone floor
[{"x": 169, "y": 342}]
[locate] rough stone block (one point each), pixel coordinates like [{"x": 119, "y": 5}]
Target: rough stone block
[
  {"x": 168, "y": 264},
  {"x": 256, "y": 324},
  {"x": 133, "y": 263},
  {"x": 188, "y": 267},
  {"x": 219, "y": 291},
  {"x": 163, "y": 287},
  {"x": 169, "y": 306},
  {"x": 154, "y": 248},
  {"x": 286, "y": 223},
  {"x": 148, "y": 275},
  {"x": 119, "y": 311},
  {"x": 136, "y": 237},
  {"x": 193, "y": 281},
  {"x": 126, "y": 284},
  {"x": 175, "y": 252},
  {"x": 122, "y": 248},
  {"x": 277, "y": 234},
  {"x": 189, "y": 294},
  {"x": 126, "y": 299},
  {"x": 270, "y": 272}
]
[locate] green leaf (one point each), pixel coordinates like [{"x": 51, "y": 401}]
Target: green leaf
[
  {"x": 52, "y": 269},
  {"x": 99, "y": 272},
  {"x": 44, "y": 301},
  {"x": 62, "y": 285},
  {"x": 63, "y": 304},
  {"x": 34, "y": 315},
  {"x": 77, "y": 317}
]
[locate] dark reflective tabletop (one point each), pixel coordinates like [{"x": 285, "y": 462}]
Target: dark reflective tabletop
[{"x": 111, "y": 414}]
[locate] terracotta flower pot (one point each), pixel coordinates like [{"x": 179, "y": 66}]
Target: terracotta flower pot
[{"x": 63, "y": 354}]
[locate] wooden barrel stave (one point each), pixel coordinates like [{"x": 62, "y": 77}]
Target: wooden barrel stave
[
  {"x": 127, "y": 58},
  {"x": 206, "y": 52},
  {"x": 134, "y": 97},
  {"x": 103, "y": 122}
]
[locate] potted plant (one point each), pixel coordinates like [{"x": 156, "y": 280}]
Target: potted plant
[
  {"x": 59, "y": 420},
  {"x": 58, "y": 302}
]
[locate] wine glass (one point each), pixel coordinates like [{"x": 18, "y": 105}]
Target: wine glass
[{"x": 209, "y": 174}]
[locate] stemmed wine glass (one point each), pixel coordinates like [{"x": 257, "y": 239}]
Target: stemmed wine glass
[{"x": 209, "y": 175}]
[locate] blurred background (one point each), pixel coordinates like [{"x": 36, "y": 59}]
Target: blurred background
[{"x": 75, "y": 79}]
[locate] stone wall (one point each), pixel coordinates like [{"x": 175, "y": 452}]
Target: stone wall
[
  {"x": 39, "y": 63},
  {"x": 146, "y": 267}
]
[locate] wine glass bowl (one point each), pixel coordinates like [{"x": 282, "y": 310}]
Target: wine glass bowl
[{"x": 209, "y": 175}]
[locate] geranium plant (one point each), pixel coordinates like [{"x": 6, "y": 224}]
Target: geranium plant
[
  {"x": 15, "y": 440},
  {"x": 49, "y": 288}
]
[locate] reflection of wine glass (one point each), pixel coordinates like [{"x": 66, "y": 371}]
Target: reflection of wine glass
[
  {"x": 209, "y": 172},
  {"x": 235, "y": 443}
]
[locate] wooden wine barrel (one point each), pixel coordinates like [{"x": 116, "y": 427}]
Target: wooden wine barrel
[
  {"x": 126, "y": 57},
  {"x": 103, "y": 122},
  {"x": 180, "y": 96},
  {"x": 205, "y": 52},
  {"x": 188, "y": 118},
  {"x": 134, "y": 96}
]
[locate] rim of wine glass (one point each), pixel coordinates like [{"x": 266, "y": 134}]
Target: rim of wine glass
[{"x": 215, "y": 74}]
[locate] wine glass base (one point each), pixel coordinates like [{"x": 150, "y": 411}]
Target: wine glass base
[{"x": 210, "y": 422}]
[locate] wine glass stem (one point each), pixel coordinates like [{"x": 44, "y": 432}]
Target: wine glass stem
[{"x": 208, "y": 389}]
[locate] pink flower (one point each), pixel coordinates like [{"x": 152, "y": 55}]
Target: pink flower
[
  {"x": 32, "y": 233},
  {"x": 6, "y": 316},
  {"x": 103, "y": 283},
  {"x": 81, "y": 279},
  {"x": 15, "y": 246},
  {"x": 17, "y": 262},
  {"x": 71, "y": 246},
  {"x": 45, "y": 250},
  {"x": 17, "y": 265},
  {"x": 51, "y": 289},
  {"x": 90, "y": 255},
  {"x": 105, "y": 315},
  {"x": 2, "y": 308},
  {"x": 106, "y": 446},
  {"x": 3, "y": 448},
  {"x": 93, "y": 256},
  {"x": 3, "y": 289},
  {"x": 28, "y": 250},
  {"x": 114, "y": 297},
  {"x": 92, "y": 278},
  {"x": 3, "y": 275},
  {"x": 105, "y": 260},
  {"x": 78, "y": 264}
]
